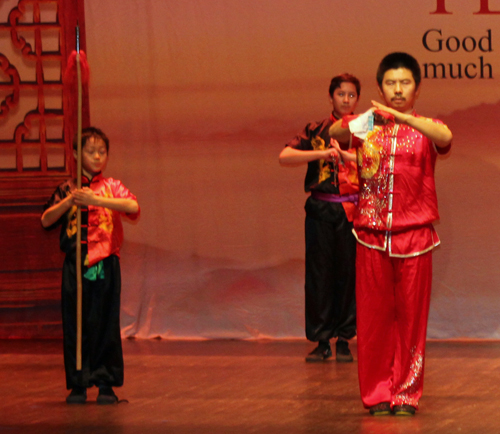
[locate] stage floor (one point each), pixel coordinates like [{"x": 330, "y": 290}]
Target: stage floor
[{"x": 226, "y": 386}]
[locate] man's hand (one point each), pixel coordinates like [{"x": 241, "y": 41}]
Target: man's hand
[
  {"x": 398, "y": 116},
  {"x": 439, "y": 134}
]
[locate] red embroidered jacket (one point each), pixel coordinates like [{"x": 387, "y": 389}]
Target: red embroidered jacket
[
  {"x": 102, "y": 230},
  {"x": 397, "y": 199}
]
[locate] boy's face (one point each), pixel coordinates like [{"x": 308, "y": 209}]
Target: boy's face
[
  {"x": 94, "y": 156},
  {"x": 344, "y": 99},
  {"x": 399, "y": 90}
]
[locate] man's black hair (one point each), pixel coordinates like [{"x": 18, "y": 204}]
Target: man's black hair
[{"x": 399, "y": 60}]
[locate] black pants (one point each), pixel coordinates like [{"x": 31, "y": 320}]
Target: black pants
[
  {"x": 102, "y": 357},
  {"x": 330, "y": 279}
]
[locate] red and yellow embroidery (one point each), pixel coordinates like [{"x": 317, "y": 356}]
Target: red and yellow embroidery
[
  {"x": 106, "y": 216},
  {"x": 369, "y": 155},
  {"x": 71, "y": 228},
  {"x": 318, "y": 144}
]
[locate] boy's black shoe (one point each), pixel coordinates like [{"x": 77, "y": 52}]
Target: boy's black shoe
[
  {"x": 106, "y": 396},
  {"x": 342, "y": 351},
  {"x": 78, "y": 395},
  {"x": 381, "y": 409},
  {"x": 404, "y": 410},
  {"x": 320, "y": 354}
]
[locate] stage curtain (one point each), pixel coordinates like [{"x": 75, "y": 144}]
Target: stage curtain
[{"x": 199, "y": 97}]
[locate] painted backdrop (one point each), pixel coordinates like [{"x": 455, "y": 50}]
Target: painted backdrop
[{"x": 199, "y": 97}]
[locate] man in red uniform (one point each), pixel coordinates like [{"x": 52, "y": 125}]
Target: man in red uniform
[
  {"x": 330, "y": 244},
  {"x": 393, "y": 226}
]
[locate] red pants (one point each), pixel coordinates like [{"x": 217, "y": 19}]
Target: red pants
[{"x": 392, "y": 296}]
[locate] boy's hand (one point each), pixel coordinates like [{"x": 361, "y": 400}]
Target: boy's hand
[
  {"x": 69, "y": 200},
  {"x": 330, "y": 155},
  {"x": 85, "y": 197},
  {"x": 334, "y": 151},
  {"x": 341, "y": 155}
]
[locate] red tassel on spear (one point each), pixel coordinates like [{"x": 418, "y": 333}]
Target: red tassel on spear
[{"x": 77, "y": 67}]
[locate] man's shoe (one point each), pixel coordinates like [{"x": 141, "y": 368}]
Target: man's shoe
[
  {"x": 404, "y": 410},
  {"x": 342, "y": 351},
  {"x": 320, "y": 354},
  {"x": 106, "y": 396},
  {"x": 78, "y": 395},
  {"x": 381, "y": 409}
]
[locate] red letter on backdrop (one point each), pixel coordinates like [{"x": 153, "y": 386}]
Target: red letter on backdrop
[
  {"x": 441, "y": 7},
  {"x": 484, "y": 9}
]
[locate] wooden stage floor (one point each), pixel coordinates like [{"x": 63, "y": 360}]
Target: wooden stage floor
[{"x": 244, "y": 387}]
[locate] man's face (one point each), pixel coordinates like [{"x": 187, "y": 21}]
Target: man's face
[
  {"x": 344, "y": 99},
  {"x": 399, "y": 90},
  {"x": 94, "y": 156}
]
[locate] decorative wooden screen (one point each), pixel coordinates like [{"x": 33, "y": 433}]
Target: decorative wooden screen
[
  {"x": 36, "y": 129},
  {"x": 35, "y": 135}
]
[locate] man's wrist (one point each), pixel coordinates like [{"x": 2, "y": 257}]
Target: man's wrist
[{"x": 407, "y": 119}]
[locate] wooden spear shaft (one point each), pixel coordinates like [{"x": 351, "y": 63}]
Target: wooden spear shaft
[{"x": 79, "y": 289}]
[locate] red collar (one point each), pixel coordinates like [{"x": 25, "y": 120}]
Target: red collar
[
  {"x": 333, "y": 118},
  {"x": 96, "y": 178}
]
